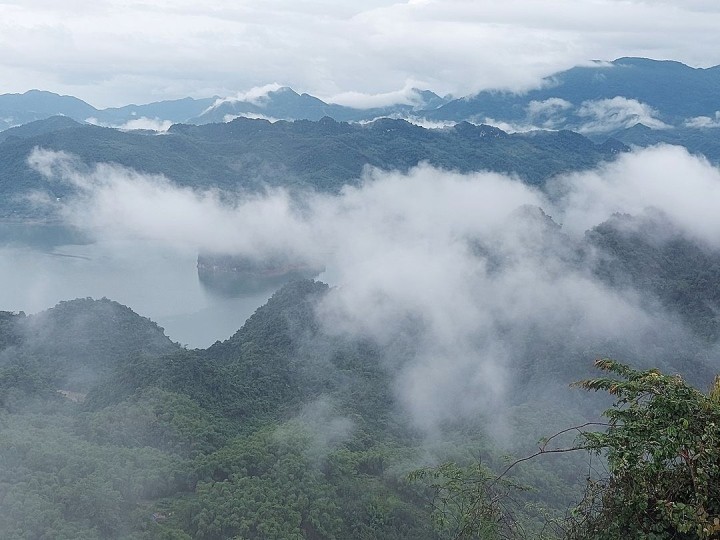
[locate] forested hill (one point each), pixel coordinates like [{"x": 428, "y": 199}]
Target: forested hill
[
  {"x": 290, "y": 429},
  {"x": 651, "y": 255},
  {"x": 73, "y": 346},
  {"x": 255, "y": 437},
  {"x": 324, "y": 155}
]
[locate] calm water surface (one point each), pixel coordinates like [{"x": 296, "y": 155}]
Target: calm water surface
[{"x": 37, "y": 272}]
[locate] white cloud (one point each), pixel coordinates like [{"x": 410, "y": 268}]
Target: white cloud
[
  {"x": 606, "y": 115},
  {"x": 153, "y": 124},
  {"x": 704, "y": 122},
  {"x": 452, "y": 274},
  {"x": 257, "y": 95},
  {"x": 548, "y": 107},
  {"x": 111, "y": 53},
  {"x": 510, "y": 127},
  {"x": 143, "y": 122},
  {"x": 408, "y": 95},
  {"x": 252, "y": 116},
  {"x": 548, "y": 112},
  {"x": 684, "y": 187}
]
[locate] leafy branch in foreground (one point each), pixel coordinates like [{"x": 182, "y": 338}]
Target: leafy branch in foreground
[
  {"x": 470, "y": 502},
  {"x": 662, "y": 446},
  {"x": 663, "y": 453}
]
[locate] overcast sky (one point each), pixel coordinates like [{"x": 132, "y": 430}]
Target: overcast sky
[{"x": 113, "y": 52}]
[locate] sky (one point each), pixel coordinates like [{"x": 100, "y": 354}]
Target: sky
[{"x": 115, "y": 52}]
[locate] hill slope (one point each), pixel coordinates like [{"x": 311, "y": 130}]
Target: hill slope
[{"x": 326, "y": 155}]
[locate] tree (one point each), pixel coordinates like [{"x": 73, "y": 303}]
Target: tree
[
  {"x": 662, "y": 446},
  {"x": 663, "y": 453}
]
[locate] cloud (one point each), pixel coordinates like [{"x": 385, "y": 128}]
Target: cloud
[
  {"x": 684, "y": 187},
  {"x": 606, "y": 115},
  {"x": 112, "y": 53},
  {"x": 460, "y": 278},
  {"x": 548, "y": 107},
  {"x": 120, "y": 202},
  {"x": 416, "y": 120},
  {"x": 257, "y": 95},
  {"x": 509, "y": 127},
  {"x": 252, "y": 116},
  {"x": 408, "y": 95},
  {"x": 549, "y": 112},
  {"x": 704, "y": 122},
  {"x": 152, "y": 124}
]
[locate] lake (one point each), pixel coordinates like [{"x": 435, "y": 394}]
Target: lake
[{"x": 38, "y": 271}]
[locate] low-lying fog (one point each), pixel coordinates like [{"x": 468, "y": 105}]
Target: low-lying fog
[{"x": 468, "y": 260}]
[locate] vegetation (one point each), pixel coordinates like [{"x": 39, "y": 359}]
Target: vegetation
[
  {"x": 661, "y": 446},
  {"x": 283, "y": 431},
  {"x": 663, "y": 454},
  {"x": 249, "y": 155}
]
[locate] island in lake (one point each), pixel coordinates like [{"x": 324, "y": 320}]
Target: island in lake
[{"x": 236, "y": 275}]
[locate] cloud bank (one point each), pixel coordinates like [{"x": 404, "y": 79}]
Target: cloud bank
[
  {"x": 460, "y": 278},
  {"x": 151, "y": 124},
  {"x": 112, "y": 53},
  {"x": 704, "y": 122},
  {"x": 407, "y": 95},
  {"x": 605, "y": 115}
]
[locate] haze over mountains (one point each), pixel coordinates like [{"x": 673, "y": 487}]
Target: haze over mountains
[
  {"x": 249, "y": 155},
  {"x": 595, "y": 100}
]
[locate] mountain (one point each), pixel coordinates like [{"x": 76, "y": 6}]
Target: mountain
[
  {"x": 86, "y": 338},
  {"x": 39, "y": 127},
  {"x": 18, "y": 109},
  {"x": 286, "y": 104},
  {"x": 698, "y": 140},
  {"x": 596, "y": 100},
  {"x": 286, "y": 429},
  {"x": 325, "y": 155},
  {"x": 283, "y": 103},
  {"x": 581, "y": 98},
  {"x": 175, "y": 111},
  {"x": 651, "y": 255}
]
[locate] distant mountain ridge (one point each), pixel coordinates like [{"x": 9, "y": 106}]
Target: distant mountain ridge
[
  {"x": 286, "y": 104},
  {"x": 675, "y": 90},
  {"x": 596, "y": 100},
  {"x": 248, "y": 155},
  {"x": 281, "y": 104}
]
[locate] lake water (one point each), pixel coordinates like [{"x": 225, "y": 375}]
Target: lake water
[{"x": 39, "y": 272}]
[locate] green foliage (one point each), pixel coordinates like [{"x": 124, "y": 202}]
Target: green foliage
[
  {"x": 56, "y": 484},
  {"x": 324, "y": 156},
  {"x": 283, "y": 431},
  {"x": 468, "y": 501},
  {"x": 663, "y": 453},
  {"x": 649, "y": 253}
]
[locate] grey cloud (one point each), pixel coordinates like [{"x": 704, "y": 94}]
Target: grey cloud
[{"x": 111, "y": 54}]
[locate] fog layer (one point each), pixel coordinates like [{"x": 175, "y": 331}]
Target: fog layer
[{"x": 460, "y": 277}]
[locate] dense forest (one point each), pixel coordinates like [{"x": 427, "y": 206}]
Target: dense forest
[
  {"x": 288, "y": 429},
  {"x": 250, "y": 155}
]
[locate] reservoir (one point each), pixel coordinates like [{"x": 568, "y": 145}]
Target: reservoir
[{"x": 41, "y": 266}]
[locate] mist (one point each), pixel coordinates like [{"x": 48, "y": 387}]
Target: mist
[{"x": 464, "y": 280}]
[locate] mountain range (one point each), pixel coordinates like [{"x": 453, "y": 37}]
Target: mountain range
[
  {"x": 596, "y": 99},
  {"x": 248, "y": 155}
]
